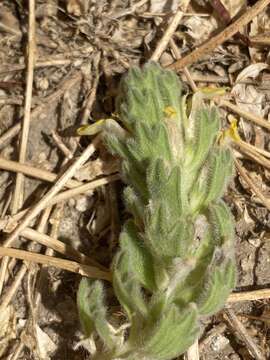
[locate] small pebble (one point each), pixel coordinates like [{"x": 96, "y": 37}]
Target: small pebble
[{"x": 218, "y": 343}]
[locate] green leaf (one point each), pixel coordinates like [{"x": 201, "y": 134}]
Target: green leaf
[
  {"x": 166, "y": 186},
  {"x": 172, "y": 334},
  {"x": 220, "y": 169},
  {"x": 89, "y": 299},
  {"x": 134, "y": 205},
  {"x": 206, "y": 127},
  {"x": 135, "y": 176},
  {"x": 127, "y": 288},
  {"x": 221, "y": 281},
  {"x": 92, "y": 311},
  {"x": 166, "y": 240},
  {"x": 221, "y": 220},
  {"x": 140, "y": 260},
  {"x": 156, "y": 176}
]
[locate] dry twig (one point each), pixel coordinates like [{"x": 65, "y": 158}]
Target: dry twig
[
  {"x": 11, "y": 222},
  {"x": 256, "y": 157},
  {"x": 6, "y": 68},
  {"x": 60, "y": 144},
  {"x": 28, "y": 324},
  {"x": 11, "y": 291},
  {"x": 18, "y": 192},
  {"x": 58, "y": 246},
  {"x": 254, "y": 149},
  {"x": 189, "y": 77},
  {"x": 251, "y": 184},
  {"x": 17, "y": 199},
  {"x": 251, "y": 117},
  {"x": 34, "y": 172},
  {"x": 163, "y": 43},
  {"x": 10, "y": 30},
  {"x": 92, "y": 94},
  {"x": 240, "y": 330},
  {"x": 82, "y": 269},
  {"x": 59, "y": 184},
  {"x": 217, "y": 40},
  {"x": 253, "y": 295},
  {"x": 193, "y": 352}
]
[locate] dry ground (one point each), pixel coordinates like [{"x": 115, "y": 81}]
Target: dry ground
[{"x": 60, "y": 64}]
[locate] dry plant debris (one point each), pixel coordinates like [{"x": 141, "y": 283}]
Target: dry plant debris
[{"x": 60, "y": 65}]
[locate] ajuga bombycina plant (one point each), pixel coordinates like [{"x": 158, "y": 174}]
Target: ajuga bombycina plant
[{"x": 175, "y": 264}]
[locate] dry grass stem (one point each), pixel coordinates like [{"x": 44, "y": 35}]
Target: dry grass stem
[
  {"x": 207, "y": 78},
  {"x": 37, "y": 299},
  {"x": 216, "y": 79},
  {"x": 186, "y": 72},
  {"x": 9, "y": 294},
  {"x": 89, "y": 102},
  {"x": 3, "y": 271},
  {"x": 58, "y": 246},
  {"x": 254, "y": 149},
  {"x": 92, "y": 95},
  {"x": 260, "y": 40},
  {"x": 83, "y": 189},
  {"x": 6, "y": 68},
  {"x": 252, "y": 153},
  {"x": 82, "y": 269},
  {"x": 266, "y": 319},
  {"x": 9, "y": 29},
  {"x": 19, "y": 188},
  {"x": 257, "y": 192},
  {"x": 251, "y": 117},
  {"x": 11, "y": 222},
  {"x": 163, "y": 43},
  {"x": 250, "y": 295},
  {"x": 240, "y": 330},
  {"x": 62, "y": 147},
  {"x": 193, "y": 352},
  {"x": 18, "y": 194},
  {"x": 17, "y": 352},
  {"x": 59, "y": 184},
  {"x": 227, "y": 33},
  {"x": 10, "y": 100},
  {"x": 12, "y": 290},
  {"x": 34, "y": 172}
]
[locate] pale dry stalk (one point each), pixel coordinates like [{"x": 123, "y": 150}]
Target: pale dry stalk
[
  {"x": 240, "y": 330},
  {"x": 17, "y": 200},
  {"x": 227, "y": 33},
  {"x": 59, "y": 184},
  {"x": 82, "y": 269},
  {"x": 63, "y": 196},
  {"x": 163, "y": 43}
]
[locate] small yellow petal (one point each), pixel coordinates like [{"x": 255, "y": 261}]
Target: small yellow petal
[
  {"x": 230, "y": 133},
  {"x": 170, "y": 111},
  {"x": 233, "y": 130}
]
